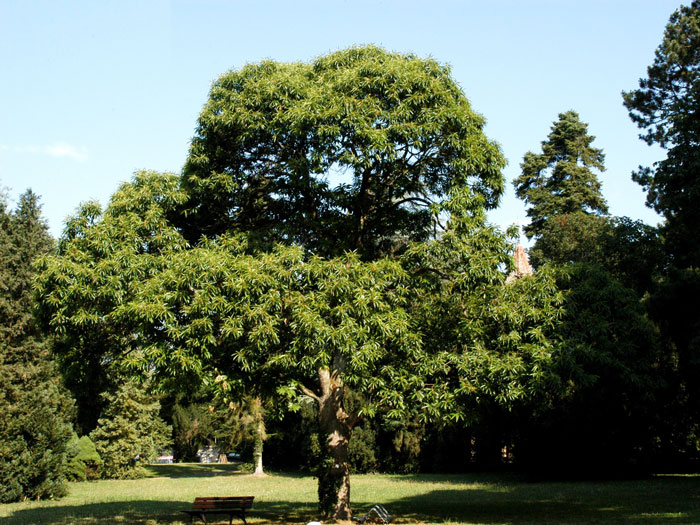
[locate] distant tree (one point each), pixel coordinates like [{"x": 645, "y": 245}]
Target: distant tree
[
  {"x": 667, "y": 107},
  {"x": 562, "y": 190},
  {"x": 36, "y": 410},
  {"x": 86, "y": 344},
  {"x": 129, "y": 431},
  {"x": 192, "y": 428},
  {"x": 241, "y": 422}
]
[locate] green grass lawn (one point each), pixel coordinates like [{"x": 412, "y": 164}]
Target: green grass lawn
[{"x": 289, "y": 498}]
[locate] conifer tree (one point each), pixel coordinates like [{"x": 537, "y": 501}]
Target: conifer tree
[
  {"x": 665, "y": 107},
  {"x": 129, "y": 431},
  {"x": 562, "y": 190},
  {"x": 34, "y": 427}
]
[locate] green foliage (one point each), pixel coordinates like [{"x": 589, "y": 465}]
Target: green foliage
[
  {"x": 83, "y": 460},
  {"x": 666, "y": 107},
  {"x": 401, "y": 445},
  {"x": 363, "y": 450},
  {"x": 129, "y": 428},
  {"x": 674, "y": 306},
  {"x": 34, "y": 427},
  {"x": 484, "y": 341},
  {"x": 267, "y": 300},
  {"x": 560, "y": 181},
  {"x": 193, "y": 427},
  {"x": 600, "y": 415},
  {"x": 631, "y": 250},
  {"x": 396, "y": 125},
  {"x": 102, "y": 258},
  {"x": 566, "y": 238}
]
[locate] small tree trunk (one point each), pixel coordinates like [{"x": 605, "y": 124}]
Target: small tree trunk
[
  {"x": 259, "y": 437},
  {"x": 336, "y": 425}
]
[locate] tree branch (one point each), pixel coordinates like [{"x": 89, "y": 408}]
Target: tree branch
[{"x": 310, "y": 393}]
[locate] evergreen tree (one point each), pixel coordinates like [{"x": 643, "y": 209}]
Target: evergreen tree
[
  {"x": 34, "y": 427},
  {"x": 562, "y": 190},
  {"x": 602, "y": 415},
  {"x": 193, "y": 427},
  {"x": 667, "y": 107},
  {"x": 129, "y": 431}
]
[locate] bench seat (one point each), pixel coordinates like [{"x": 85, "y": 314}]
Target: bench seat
[{"x": 234, "y": 506}]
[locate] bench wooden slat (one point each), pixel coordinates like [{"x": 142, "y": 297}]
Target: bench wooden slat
[{"x": 229, "y": 505}]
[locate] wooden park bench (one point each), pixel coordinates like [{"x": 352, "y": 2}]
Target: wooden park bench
[{"x": 231, "y": 506}]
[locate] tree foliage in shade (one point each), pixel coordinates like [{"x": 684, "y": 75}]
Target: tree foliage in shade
[
  {"x": 667, "y": 107},
  {"x": 274, "y": 138},
  {"x": 560, "y": 184},
  {"x": 36, "y": 411},
  {"x": 608, "y": 363},
  {"x": 83, "y": 460}
]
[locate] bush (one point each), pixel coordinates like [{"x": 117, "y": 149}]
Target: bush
[
  {"x": 83, "y": 460},
  {"x": 363, "y": 446}
]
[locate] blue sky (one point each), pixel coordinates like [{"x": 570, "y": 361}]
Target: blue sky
[{"x": 92, "y": 91}]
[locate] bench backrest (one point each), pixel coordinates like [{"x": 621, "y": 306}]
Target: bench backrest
[{"x": 234, "y": 502}]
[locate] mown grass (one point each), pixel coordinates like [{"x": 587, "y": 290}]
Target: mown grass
[{"x": 289, "y": 498}]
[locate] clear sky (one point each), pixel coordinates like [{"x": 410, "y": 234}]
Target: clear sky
[{"x": 91, "y": 91}]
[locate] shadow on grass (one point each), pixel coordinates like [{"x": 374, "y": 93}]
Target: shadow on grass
[
  {"x": 208, "y": 470},
  {"x": 656, "y": 501},
  {"x": 667, "y": 500},
  {"x": 194, "y": 470},
  {"x": 151, "y": 512}
]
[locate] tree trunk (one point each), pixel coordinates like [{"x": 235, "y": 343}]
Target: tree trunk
[
  {"x": 259, "y": 436},
  {"x": 336, "y": 425}
]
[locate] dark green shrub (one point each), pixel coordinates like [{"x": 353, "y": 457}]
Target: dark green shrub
[{"x": 363, "y": 447}]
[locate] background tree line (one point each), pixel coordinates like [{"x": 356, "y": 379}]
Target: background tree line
[{"x": 367, "y": 323}]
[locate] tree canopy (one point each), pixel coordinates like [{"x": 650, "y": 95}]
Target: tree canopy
[
  {"x": 349, "y": 152},
  {"x": 256, "y": 273}
]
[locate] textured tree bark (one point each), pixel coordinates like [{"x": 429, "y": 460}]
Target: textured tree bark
[{"x": 336, "y": 425}]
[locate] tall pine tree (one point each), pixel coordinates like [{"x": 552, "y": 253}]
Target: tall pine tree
[
  {"x": 34, "y": 428},
  {"x": 666, "y": 106},
  {"x": 563, "y": 191}
]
